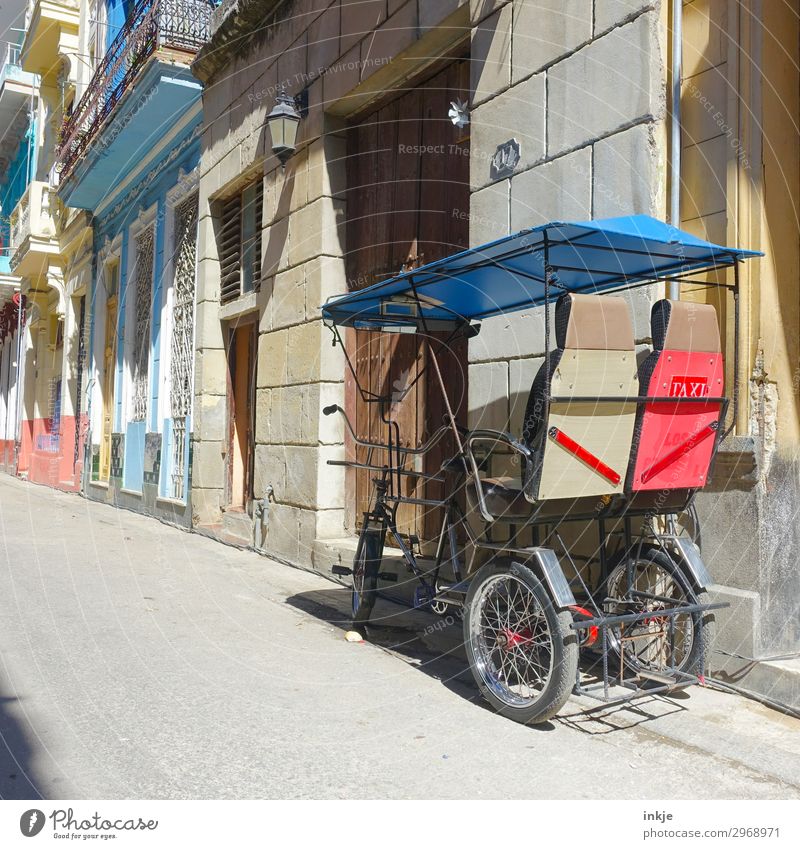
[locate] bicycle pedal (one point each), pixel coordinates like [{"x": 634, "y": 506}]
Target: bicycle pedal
[
  {"x": 341, "y": 570},
  {"x": 388, "y": 576}
]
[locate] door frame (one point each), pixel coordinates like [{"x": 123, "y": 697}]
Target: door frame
[{"x": 246, "y": 325}]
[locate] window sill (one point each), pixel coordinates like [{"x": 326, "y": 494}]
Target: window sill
[
  {"x": 238, "y": 307},
  {"x": 164, "y": 501}
]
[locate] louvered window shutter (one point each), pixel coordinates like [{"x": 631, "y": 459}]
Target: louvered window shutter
[
  {"x": 252, "y": 211},
  {"x": 230, "y": 245}
]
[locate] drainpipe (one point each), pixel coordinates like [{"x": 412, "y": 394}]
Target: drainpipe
[{"x": 675, "y": 130}]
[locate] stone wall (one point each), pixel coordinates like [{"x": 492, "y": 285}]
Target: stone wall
[
  {"x": 584, "y": 152},
  {"x": 345, "y": 54},
  {"x": 581, "y": 86}
]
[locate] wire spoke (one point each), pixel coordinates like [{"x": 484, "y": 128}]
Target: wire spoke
[{"x": 514, "y": 645}]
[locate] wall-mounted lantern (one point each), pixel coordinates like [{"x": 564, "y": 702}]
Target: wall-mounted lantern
[{"x": 283, "y": 122}]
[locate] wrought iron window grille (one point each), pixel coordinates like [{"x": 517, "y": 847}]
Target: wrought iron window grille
[{"x": 182, "y": 343}]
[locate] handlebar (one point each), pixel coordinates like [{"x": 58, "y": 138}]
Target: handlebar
[{"x": 426, "y": 446}]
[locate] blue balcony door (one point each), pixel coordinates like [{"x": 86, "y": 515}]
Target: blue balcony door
[{"x": 116, "y": 14}]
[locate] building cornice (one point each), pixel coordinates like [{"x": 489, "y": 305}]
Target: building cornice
[{"x": 234, "y": 25}]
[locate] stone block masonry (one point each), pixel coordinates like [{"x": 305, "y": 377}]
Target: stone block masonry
[
  {"x": 581, "y": 86},
  {"x": 535, "y": 72},
  {"x": 328, "y": 49}
]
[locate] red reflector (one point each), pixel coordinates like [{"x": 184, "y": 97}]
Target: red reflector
[
  {"x": 592, "y": 631},
  {"x": 583, "y": 455},
  {"x": 677, "y": 453}
]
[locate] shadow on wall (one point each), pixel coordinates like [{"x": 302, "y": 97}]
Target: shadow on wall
[{"x": 17, "y": 780}]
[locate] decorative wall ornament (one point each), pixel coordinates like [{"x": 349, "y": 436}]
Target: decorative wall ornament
[
  {"x": 459, "y": 113},
  {"x": 186, "y": 182},
  {"x": 505, "y": 159},
  {"x": 55, "y": 280}
]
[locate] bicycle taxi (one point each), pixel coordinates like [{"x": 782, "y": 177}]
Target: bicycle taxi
[{"x": 614, "y": 438}]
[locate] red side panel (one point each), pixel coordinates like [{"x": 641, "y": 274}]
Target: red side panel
[{"x": 677, "y": 440}]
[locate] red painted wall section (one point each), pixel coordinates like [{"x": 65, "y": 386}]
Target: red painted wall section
[{"x": 49, "y": 458}]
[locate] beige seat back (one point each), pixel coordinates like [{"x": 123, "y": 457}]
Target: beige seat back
[{"x": 586, "y": 443}]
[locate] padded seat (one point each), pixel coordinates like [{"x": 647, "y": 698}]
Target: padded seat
[{"x": 582, "y": 447}]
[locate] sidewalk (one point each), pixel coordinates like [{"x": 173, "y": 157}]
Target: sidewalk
[{"x": 141, "y": 661}]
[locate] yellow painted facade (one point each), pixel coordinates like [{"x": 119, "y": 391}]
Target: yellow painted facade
[{"x": 740, "y": 177}]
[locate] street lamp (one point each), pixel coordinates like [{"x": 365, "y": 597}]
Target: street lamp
[{"x": 283, "y": 122}]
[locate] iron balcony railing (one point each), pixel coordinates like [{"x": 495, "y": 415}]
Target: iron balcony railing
[
  {"x": 34, "y": 215},
  {"x": 180, "y": 25}
]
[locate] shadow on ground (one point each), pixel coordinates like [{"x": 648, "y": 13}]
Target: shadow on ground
[
  {"x": 435, "y": 645},
  {"x": 16, "y": 754}
]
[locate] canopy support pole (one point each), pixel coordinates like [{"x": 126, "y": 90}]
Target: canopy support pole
[
  {"x": 736, "y": 343},
  {"x": 440, "y": 379},
  {"x": 675, "y": 130},
  {"x": 547, "y": 274}
]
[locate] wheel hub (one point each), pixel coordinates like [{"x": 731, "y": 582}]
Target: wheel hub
[{"x": 509, "y": 639}]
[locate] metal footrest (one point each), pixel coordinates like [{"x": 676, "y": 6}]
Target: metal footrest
[{"x": 658, "y": 677}]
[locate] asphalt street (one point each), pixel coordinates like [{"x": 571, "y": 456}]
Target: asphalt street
[{"x": 142, "y": 661}]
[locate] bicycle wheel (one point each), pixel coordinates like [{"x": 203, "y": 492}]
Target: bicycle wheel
[
  {"x": 521, "y": 650},
  {"x": 366, "y": 566},
  {"x": 653, "y": 645}
]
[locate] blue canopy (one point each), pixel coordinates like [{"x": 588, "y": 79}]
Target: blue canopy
[{"x": 509, "y": 274}]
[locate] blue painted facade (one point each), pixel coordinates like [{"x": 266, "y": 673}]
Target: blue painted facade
[
  {"x": 127, "y": 177},
  {"x": 14, "y": 182},
  {"x": 151, "y": 191}
]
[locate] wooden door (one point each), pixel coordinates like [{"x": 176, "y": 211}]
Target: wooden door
[
  {"x": 109, "y": 374},
  {"x": 407, "y": 204},
  {"x": 241, "y": 409}
]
